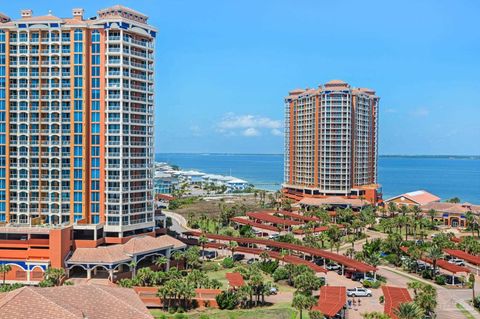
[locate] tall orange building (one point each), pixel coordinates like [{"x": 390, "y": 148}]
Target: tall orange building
[
  {"x": 76, "y": 120},
  {"x": 331, "y": 135},
  {"x": 76, "y": 136}
]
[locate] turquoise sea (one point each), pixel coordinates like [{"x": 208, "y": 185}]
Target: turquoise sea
[{"x": 444, "y": 176}]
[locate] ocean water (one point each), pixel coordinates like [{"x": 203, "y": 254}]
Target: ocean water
[{"x": 445, "y": 177}]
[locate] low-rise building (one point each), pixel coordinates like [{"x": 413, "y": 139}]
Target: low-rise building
[
  {"x": 416, "y": 198},
  {"x": 452, "y": 214}
]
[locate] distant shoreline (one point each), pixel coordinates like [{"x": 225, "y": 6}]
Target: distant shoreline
[{"x": 471, "y": 157}]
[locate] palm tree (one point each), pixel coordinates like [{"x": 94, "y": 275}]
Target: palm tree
[
  {"x": 232, "y": 245},
  {"x": 409, "y": 310},
  {"x": 434, "y": 253},
  {"x": 322, "y": 237},
  {"x": 4, "y": 269},
  {"x": 133, "y": 266},
  {"x": 415, "y": 286},
  {"x": 392, "y": 208},
  {"x": 471, "y": 221},
  {"x": 202, "y": 240},
  {"x": 177, "y": 256},
  {"x": 432, "y": 213},
  {"x": 302, "y": 302},
  {"x": 160, "y": 261}
]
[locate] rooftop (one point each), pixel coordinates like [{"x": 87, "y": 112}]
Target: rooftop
[
  {"x": 73, "y": 302},
  {"x": 124, "y": 252},
  {"x": 420, "y": 197}
]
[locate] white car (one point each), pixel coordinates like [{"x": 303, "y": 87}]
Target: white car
[
  {"x": 333, "y": 267},
  {"x": 457, "y": 261},
  {"x": 359, "y": 292}
]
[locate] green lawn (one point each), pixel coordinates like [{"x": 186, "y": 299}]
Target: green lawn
[
  {"x": 277, "y": 311},
  {"x": 464, "y": 311}
]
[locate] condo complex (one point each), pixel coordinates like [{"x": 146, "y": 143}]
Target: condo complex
[
  {"x": 76, "y": 142},
  {"x": 331, "y": 142}
]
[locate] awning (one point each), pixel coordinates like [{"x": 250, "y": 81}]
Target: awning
[
  {"x": 331, "y": 300},
  {"x": 343, "y": 260},
  {"x": 394, "y": 296},
  {"x": 442, "y": 264},
  {"x": 463, "y": 255}
]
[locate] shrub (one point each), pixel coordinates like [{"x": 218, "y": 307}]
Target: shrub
[
  {"x": 371, "y": 284},
  {"x": 10, "y": 287},
  {"x": 393, "y": 259},
  {"x": 180, "y": 316},
  {"x": 476, "y": 302},
  {"x": 204, "y": 316},
  {"x": 268, "y": 267},
  {"x": 427, "y": 274},
  {"x": 314, "y": 314},
  {"x": 280, "y": 274},
  {"x": 210, "y": 266},
  {"x": 227, "y": 300},
  {"x": 228, "y": 262},
  {"x": 440, "y": 280}
]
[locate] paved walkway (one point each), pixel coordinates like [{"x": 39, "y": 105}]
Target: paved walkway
[{"x": 179, "y": 223}]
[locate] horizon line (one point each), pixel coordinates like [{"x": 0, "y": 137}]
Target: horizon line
[{"x": 277, "y": 154}]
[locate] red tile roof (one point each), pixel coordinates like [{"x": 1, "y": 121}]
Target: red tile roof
[
  {"x": 394, "y": 296},
  {"x": 331, "y": 300},
  {"x": 73, "y": 302},
  {"x": 249, "y": 222},
  {"x": 442, "y": 264},
  {"x": 267, "y": 217},
  {"x": 235, "y": 279},
  {"x": 344, "y": 260},
  {"x": 298, "y": 216},
  {"x": 287, "y": 258},
  {"x": 461, "y": 254}
]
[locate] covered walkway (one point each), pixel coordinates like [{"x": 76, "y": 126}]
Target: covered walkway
[
  {"x": 340, "y": 259},
  {"x": 454, "y": 269},
  {"x": 266, "y": 217},
  {"x": 394, "y": 296},
  {"x": 475, "y": 260},
  {"x": 235, "y": 279},
  {"x": 249, "y": 222},
  {"x": 332, "y": 301}
]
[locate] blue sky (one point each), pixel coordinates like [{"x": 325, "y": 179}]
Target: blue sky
[{"x": 223, "y": 68}]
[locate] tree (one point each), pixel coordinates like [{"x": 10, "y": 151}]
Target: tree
[
  {"x": 454, "y": 200},
  {"x": 426, "y": 299},
  {"x": 54, "y": 275},
  {"x": 333, "y": 234},
  {"x": 4, "y": 269},
  {"x": 133, "y": 267},
  {"x": 301, "y": 302},
  {"x": 160, "y": 261},
  {"x": 471, "y": 280},
  {"x": 408, "y": 310},
  {"x": 232, "y": 246},
  {"x": 315, "y": 314},
  {"x": 434, "y": 253},
  {"x": 227, "y": 300},
  {"x": 392, "y": 208},
  {"x": 432, "y": 213},
  {"x": 202, "y": 240},
  {"x": 375, "y": 315},
  {"x": 306, "y": 283}
]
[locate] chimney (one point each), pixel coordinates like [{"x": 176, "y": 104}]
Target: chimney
[
  {"x": 26, "y": 13},
  {"x": 77, "y": 13}
]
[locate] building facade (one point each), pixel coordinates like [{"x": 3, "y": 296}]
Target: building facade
[
  {"x": 76, "y": 120},
  {"x": 331, "y": 136}
]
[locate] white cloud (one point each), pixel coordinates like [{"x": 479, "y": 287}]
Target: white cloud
[
  {"x": 420, "y": 112},
  {"x": 276, "y": 132},
  {"x": 251, "y": 132},
  {"x": 248, "y": 125}
]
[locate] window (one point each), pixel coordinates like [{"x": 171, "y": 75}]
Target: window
[{"x": 78, "y": 35}]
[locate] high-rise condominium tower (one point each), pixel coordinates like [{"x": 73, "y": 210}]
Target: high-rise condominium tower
[
  {"x": 331, "y": 142},
  {"x": 76, "y": 120}
]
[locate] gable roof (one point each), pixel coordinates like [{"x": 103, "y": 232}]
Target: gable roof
[
  {"x": 124, "y": 252},
  {"x": 394, "y": 296},
  {"x": 420, "y": 197},
  {"x": 73, "y": 302}
]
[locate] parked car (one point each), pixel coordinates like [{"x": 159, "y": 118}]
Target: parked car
[
  {"x": 319, "y": 261},
  {"x": 273, "y": 236},
  {"x": 457, "y": 261},
  {"x": 238, "y": 257},
  {"x": 357, "y": 276},
  {"x": 333, "y": 266},
  {"x": 451, "y": 280},
  {"x": 252, "y": 260},
  {"x": 209, "y": 254},
  {"x": 273, "y": 290},
  {"x": 359, "y": 292}
]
